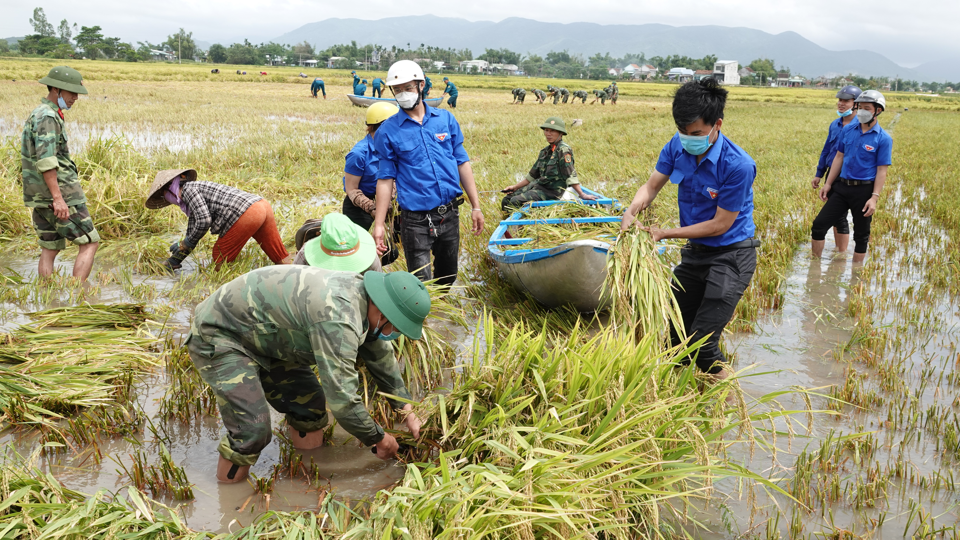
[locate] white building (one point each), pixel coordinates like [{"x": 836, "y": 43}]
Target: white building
[
  {"x": 726, "y": 72},
  {"x": 332, "y": 61},
  {"x": 680, "y": 74},
  {"x": 474, "y": 66}
]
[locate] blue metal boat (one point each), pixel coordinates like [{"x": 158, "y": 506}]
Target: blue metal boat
[{"x": 571, "y": 273}]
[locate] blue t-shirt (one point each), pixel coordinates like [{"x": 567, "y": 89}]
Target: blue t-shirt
[
  {"x": 830, "y": 146},
  {"x": 864, "y": 152},
  {"x": 422, "y": 159},
  {"x": 359, "y": 89},
  {"x": 724, "y": 178},
  {"x": 377, "y": 82},
  {"x": 451, "y": 89},
  {"x": 362, "y": 161}
]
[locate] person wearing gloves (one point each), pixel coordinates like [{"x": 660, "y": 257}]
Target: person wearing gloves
[
  {"x": 234, "y": 215},
  {"x": 256, "y": 339},
  {"x": 550, "y": 175}
]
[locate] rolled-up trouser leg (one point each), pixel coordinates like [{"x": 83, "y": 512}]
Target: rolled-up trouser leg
[
  {"x": 294, "y": 390},
  {"x": 832, "y": 211},
  {"x": 529, "y": 192},
  {"x": 235, "y": 381}
]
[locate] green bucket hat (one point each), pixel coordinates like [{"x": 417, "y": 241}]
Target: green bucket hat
[
  {"x": 65, "y": 78},
  {"x": 342, "y": 246},
  {"x": 555, "y": 123},
  {"x": 402, "y": 299}
]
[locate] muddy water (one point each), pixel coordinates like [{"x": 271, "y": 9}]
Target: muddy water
[
  {"x": 352, "y": 471},
  {"x": 808, "y": 344}
]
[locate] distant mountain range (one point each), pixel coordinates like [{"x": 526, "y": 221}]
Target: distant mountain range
[{"x": 525, "y": 36}]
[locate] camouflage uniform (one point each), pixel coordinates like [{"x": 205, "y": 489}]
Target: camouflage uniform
[
  {"x": 582, "y": 94},
  {"x": 601, "y": 95},
  {"x": 519, "y": 94},
  {"x": 548, "y": 178},
  {"x": 614, "y": 94},
  {"x": 44, "y": 148},
  {"x": 254, "y": 342},
  {"x": 541, "y": 95},
  {"x": 560, "y": 92}
]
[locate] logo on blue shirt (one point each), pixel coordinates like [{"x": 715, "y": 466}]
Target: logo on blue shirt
[{"x": 442, "y": 136}]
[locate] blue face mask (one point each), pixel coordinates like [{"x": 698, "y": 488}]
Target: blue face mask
[
  {"x": 389, "y": 337},
  {"x": 696, "y": 144},
  {"x": 845, "y": 113},
  {"x": 61, "y": 103},
  {"x": 378, "y": 333}
]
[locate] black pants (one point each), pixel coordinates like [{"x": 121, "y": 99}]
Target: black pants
[
  {"x": 842, "y": 225},
  {"x": 711, "y": 285},
  {"x": 423, "y": 233},
  {"x": 841, "y": 199}
]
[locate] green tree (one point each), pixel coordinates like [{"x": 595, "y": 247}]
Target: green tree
[
  {"x": 602, "y": 61},
  {"x": 40, "y": 24},
  {"x": 90, "y": 40},
  {"x": 217, "y": 53},
  {"x": 242, "y": 53},
  {"x": 554, "y": 58},
  {"x": 764, "y": 70},
  {"x": 37, "y": 44},
  {"x": 65, "y": 31},
  {"x": 4, "y": 46},
  {"x": 182, "y": 44},
  {"x": 63, "y": 50},
  {"x": 500, "y": 56}
]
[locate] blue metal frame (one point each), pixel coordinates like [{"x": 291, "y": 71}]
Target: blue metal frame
[{"x": 528, "y": 255}]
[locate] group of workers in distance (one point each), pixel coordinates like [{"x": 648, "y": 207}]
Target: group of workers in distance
[
  {"x": 611, "y": 92},
  {"x": 256, "y": 340},
  {"x": 360, "y": 88}
]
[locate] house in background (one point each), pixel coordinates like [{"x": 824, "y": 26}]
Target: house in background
[
  {"x": 308, "y": 63},
  {"x": 162, "y": 55},
  {"x": 746, "y": 72},
  {"x": 474, "y": 66},
  {"x": 505, "y": 69},
  {"x": 615, "y": 72},
  {"x": 701, "y": 74},
  {"x": 630, "y": 70},
  {"x": 332, "y": 61},
  {"x": 680, "y": 74},
  {"x": 726, "y": 72},
  {"x": 783, "y": 80},
  {"x": 645, "y": 72}
]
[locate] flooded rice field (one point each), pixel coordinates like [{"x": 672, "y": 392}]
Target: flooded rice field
[{"x": 849, "y": 372}]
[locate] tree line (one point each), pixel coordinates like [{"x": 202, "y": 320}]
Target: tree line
[{"x": 68, "y": 41}]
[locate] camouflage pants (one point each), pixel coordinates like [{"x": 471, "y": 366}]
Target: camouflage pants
[
  {"x": 529, "y": 192},
  {"x": 244, "y": 389},
  {"x": 556, "y": 98},
  {"x": 54, "y": 233},
  {"x": 566, "y": 97}
]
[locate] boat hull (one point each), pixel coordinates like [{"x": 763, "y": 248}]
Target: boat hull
[{"x": 570, "y": 274}]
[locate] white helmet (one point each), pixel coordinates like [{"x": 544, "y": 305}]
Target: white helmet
[
  {"x": 404, "y": 71},
  {"x": 872, "y": 96}
]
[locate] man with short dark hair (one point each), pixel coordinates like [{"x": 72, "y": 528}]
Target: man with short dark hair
[
  {"x": 715, "y": 183},
  {"x": 51, "y": 186}
]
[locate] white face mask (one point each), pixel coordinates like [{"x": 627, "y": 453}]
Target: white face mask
[
  {"x": 408, "y": 100},
  {"x": 864, "y": 116}
]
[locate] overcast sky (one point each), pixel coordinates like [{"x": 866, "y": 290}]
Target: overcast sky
[{"x": 907, "y": 33}]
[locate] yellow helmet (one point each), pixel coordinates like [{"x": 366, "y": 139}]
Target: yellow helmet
[{"x": 378, "y": 112}]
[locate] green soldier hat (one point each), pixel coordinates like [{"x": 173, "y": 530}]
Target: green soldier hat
[
  {"x": 402, "y": 299},
  {"x": 65, "y": 78},
  {"x": 343, "y": 246},
  {"x": 554, "y": 123}
]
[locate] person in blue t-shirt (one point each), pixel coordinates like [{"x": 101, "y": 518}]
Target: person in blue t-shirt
[
  {"x": 377, "y": 87},
  {"x": 857, "y": 176},
  {"x": 421, "y": 153},
  {"x": 450, "y": 90},
  {"x": 317, "y": 86},
  {"x": 714, "y": 180},
  {"x": 845, "y": 110},
  {"x": 361, "y": 88},
  {"x": 356, "y": 79}
]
